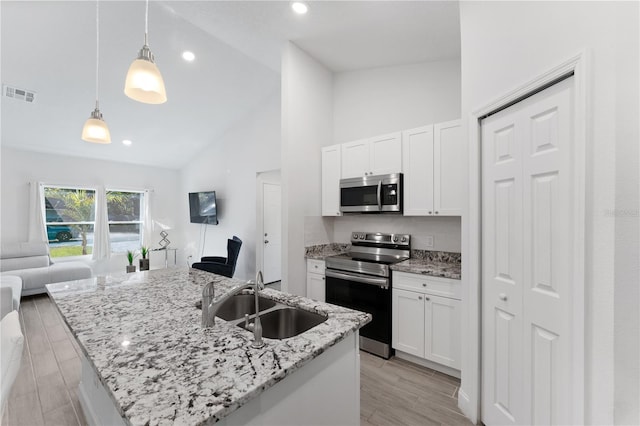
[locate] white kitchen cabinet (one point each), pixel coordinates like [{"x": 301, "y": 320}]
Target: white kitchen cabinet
[
  {"x": 373, "y": 156},
  {"x": 442, "y": 330},
  {"x": 408, "y": 322},
  {"x": 316, "y": 280},
  {"x": 331, "y": 156},
  {"x": 449, "y": 169},
  {"x": 434, "y": 170},
  {"x": 425, "y": 323}
]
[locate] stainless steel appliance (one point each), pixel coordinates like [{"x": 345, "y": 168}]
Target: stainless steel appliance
[
  {"x": 372, "y": 194},
  {"x": 361, "y": 280}
]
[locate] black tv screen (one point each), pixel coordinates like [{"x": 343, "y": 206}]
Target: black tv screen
[{"x": 202, "y": 207}]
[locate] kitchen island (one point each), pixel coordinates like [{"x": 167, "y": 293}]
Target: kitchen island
[{"x": 149, "y": 361}]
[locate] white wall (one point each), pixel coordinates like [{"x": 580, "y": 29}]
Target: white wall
[
  {"x": 307, "y": 111},
  {"x": 21, "y": 167},
  {"x": 229, "y": 166},
  {"x": 444, "y": 230},
  {"x": 506, "y": 44},
  {"x": 376, "y": 101}
]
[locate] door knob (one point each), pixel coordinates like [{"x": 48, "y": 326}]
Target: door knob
[
  {"x": 266, "y": 241},
  {"x": 503, "y": 297}
]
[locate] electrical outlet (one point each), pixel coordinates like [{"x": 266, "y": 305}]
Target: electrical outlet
[{"x": 429, "y": 242}]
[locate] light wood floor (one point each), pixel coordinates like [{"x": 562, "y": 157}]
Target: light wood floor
[{"x": 393, "y": 392}]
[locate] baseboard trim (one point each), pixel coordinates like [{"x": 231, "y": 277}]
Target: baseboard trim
[
  {"x": 429, "y": 364},
  {"x": 464, "y": 404}
]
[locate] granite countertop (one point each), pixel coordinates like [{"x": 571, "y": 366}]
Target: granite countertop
[
  {"x": 322, "y": 251},
  {"x": 436, "y": 264},
  {"x": 173, "y": 370}
]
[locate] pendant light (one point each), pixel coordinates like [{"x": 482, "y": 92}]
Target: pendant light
[
  {"x": 144, "y": 82},
  {"x": 95, "y": 129}
]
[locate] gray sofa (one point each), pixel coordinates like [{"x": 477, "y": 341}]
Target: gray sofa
[{"x": 31, "y": 262}]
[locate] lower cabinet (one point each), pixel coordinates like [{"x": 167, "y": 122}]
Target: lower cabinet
[
  {"x": 315, "y": 280},
  {"x": 426, "y": 325}
]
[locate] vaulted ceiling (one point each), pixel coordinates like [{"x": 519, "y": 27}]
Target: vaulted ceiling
[{"x": 49, "y": 47}]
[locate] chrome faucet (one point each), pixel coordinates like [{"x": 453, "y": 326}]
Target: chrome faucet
[
  {"x": 210, "y": 308},
  {"x": 256, "y": 327}
]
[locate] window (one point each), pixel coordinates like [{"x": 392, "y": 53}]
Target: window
[
  {"x": 70, "y": 220},
  {"x": 126, "y": 224}
]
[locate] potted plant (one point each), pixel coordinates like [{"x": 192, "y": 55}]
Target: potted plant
[
  {"x": 130, "y": 256},
  {"x": 144, "y": 262}
]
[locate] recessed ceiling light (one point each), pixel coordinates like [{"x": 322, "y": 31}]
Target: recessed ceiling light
[
  {"x": 299, "y": 8},
  {"x": 126, "y": 142},
  {"x": 188, "y": 56}
]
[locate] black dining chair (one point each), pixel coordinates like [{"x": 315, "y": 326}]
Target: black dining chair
[{"x": 222, "y": 265}]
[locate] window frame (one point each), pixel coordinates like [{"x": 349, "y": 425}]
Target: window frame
[
  {"x": 67, "y": 223},
  {"x": 141, "y": 222}
]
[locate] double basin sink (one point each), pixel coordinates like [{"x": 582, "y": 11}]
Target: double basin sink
[{"x": 278, "y": 321}]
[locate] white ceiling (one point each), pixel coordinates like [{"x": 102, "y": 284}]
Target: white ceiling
[{"x": 49, "y": 47}]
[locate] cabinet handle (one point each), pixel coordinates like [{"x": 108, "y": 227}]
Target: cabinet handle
[
  {"x": 430, "y": 212},
  {"x": 419, "y": 297},
  {"x": 426, "y": 298},
  {"x": 503, "y": 297},
  {"x": 322, "y": 278},
  {"x": 337, "y": 213},
  {"x": 424, "y": 284},
  {"x": 315, "y": 266},
  {"x": 436, "y": 212}
]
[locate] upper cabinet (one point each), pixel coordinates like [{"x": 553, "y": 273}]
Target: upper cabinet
[
  {"x": 434, "y": 170},
  {"x": 432, "y": 159},
  {"x": 373, "y": 156},
  {"x": 331, "y": 156}
]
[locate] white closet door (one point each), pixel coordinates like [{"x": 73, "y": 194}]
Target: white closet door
[
  {"x": 527, "y": 211},
  {"x": 502, "y": 277}
]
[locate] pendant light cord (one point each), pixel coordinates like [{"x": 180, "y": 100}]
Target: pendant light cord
[
  {"x": 146, "y": 23},
  {"x": 97, "y": 47}
]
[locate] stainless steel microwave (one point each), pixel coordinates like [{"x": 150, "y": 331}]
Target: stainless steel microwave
[{"x": 371, "y": 194}]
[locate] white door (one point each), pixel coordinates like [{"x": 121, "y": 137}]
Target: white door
[
  {"x": 355, "y": 159},
  {"x": 526, "y": 281},
  {"x": 442, "y": 330},
  {"x": 331, "y": 180},
  {"x": 272, "y": 238},
  {"x": 417, "y": 152},
  {"x": 408, "y": 322},
  {"x": 449, "y": 169},
  {"x": 385, "y": 154}
]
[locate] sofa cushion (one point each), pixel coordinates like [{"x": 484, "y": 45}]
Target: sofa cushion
[
  {"x": 37, "y": 278},
  {"x": 68, "y": 271},
  {"x": 15, "y": 284},
  {"x": 24, "y": 255}
]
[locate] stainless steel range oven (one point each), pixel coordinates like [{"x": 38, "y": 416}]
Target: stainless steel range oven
[{"x": 361, "y": 280}]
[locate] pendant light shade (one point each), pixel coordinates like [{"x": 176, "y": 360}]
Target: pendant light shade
[
  {"x": 95, "y": 129},
  {"x": 144, "y": 82}
]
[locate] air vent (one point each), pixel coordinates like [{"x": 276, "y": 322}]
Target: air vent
[{"x": 19, "y": 94}]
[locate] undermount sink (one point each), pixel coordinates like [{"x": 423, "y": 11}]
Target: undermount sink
[
  {"x": 237, "y": 306},
  {"x": 287, "y": 322}
]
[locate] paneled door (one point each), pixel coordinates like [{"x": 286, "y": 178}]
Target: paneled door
[
  {"x": 272, "y": 225},
  {"x": 526, "y": 280}
]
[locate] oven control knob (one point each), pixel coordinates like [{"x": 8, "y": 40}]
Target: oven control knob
[
  {"x": 362, "y": 236},
  {"x": 403, "y": 239},
  {"x": 395, "y": 239}
]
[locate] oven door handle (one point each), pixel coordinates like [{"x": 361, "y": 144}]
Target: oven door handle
[
  {"x": 379, "y": 193},
  {"x": 380, "y": 282}
]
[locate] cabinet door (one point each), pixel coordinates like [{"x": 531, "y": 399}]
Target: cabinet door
[
  {"x": 442, "y": 330},
  {"x": 331, "y": 180},
  {"x": 385, "y": 154},
  {"x": 417, "y": 152},
  {"x": 450, "y": 169},
  {"x": 315, "y": 287},
  {"x": 408, "y": 322},
  {"x": 355, "y": 158}
]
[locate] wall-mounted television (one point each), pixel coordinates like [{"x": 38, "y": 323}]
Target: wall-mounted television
[{"x": 203, "y": 208}]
